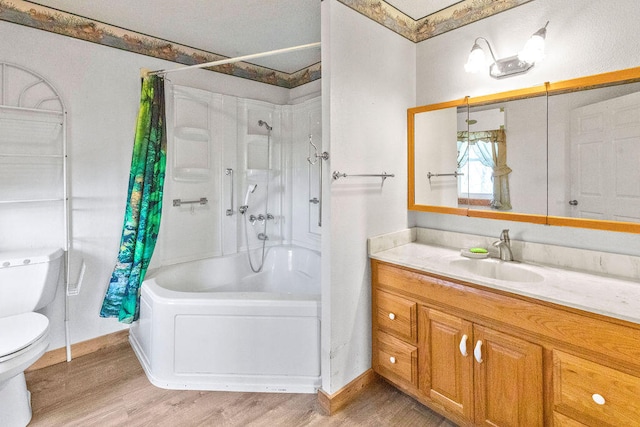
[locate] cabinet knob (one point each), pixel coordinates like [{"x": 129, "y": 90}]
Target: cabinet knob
[
  {"x": 598, "y": 399},
  {"x": 392, "y": 316},
  {"x": 392, "y": 360},
  {"x": 463, "y": 345},
  {"x": 477, "y": 352}
]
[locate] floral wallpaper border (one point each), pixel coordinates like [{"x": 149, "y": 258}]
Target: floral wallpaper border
[
  {"x": 55, "y": 21},
  {"x": 43, "y": 18},
  {"x": 458, "y": 15}
]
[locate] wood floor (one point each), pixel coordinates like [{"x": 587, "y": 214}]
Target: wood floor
[{"x": 109, "y": 388}]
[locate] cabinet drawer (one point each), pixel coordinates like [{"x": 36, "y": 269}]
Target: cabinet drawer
[
  {"x": 397, "y": 358},
  {"x": 560, "y": 420},
  {"x": 594, "y": 394},
  {"x": 397, "y": 315}
]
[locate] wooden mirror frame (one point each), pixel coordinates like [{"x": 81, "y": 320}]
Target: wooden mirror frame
[{"x": 629, "y": 75}]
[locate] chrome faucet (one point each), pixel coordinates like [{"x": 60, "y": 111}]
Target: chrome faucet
[{"x": 504, "y": 245}]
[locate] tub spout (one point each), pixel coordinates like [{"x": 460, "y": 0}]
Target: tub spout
[{"x": 263, "y": 236}]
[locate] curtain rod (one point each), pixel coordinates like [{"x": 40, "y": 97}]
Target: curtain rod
[{"x": 145, "y": 72}]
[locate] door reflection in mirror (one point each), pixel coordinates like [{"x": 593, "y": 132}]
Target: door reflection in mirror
[{"x": 594, "y": 153}]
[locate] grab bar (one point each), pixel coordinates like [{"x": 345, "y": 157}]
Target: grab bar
[
  {"x": 455, "y": 174},
  {"x": 229, "y": 172},
  {"x": 201, "y": 201},
  {"x": 323, "y": 156},
  {"x": 383, "y": 175}
]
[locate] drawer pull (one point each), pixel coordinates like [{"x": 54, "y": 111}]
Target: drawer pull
[
  {"x": 598, "y": 399},
  {"x": 392, "y": 360},
  {"x": 392, "y": 316},
  {"x": 477, "y": 352},
  {"x": 463, "y": 345}
]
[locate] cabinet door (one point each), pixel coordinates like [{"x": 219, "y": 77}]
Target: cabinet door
[
  {"x": 445, "y": 360},
  {"x": 507, "y": 380}
]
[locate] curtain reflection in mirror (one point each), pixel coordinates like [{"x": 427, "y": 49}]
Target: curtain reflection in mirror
[{"x": 489, "y": 149}]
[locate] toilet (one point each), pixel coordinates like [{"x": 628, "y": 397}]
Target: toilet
[{"x": 28, "y": 282}]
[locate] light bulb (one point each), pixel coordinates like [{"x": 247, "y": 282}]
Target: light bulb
[
  {"x": 533, "y": 50},
  {"x": 476, "y": 61}
]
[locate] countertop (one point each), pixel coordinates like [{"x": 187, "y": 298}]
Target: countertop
[{"x": 606, "y": 295}]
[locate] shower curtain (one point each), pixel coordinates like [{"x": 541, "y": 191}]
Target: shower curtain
[{"x": 144, "y": 205}]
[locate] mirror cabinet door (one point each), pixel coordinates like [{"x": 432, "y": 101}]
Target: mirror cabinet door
[
  {"x": 508, "y": 156},
  {"x": 564, "y": 153},
  {"x": 594, "y": 154},
  {"x": 438, "y": 162}
]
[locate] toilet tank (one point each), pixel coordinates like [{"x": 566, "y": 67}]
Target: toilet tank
[{"x": 29, "y": 279}]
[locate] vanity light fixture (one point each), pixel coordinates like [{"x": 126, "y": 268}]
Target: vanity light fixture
[{"x": 532, "y": 52}]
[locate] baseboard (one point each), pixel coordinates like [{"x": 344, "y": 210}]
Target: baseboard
[
  {"x": 59, "y": 355},
  {"x": 331, "y": 404}
]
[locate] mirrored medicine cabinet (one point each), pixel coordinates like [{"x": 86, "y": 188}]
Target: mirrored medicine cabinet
[{"x": 564, "y": 153}]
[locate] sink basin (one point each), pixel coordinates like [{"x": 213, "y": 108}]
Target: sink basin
[{"x": 497, "y": 270}]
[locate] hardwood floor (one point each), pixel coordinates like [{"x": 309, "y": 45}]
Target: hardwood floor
[{"x": 109, "y": 388}]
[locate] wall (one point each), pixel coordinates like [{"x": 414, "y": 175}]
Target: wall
[
  {"x": 583, "y": 37},
  {"x": 101, "y": 87},
  {"x": 368, "y": 83}
]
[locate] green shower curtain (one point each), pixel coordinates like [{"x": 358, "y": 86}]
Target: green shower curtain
[{"x": 144, "y": 205}]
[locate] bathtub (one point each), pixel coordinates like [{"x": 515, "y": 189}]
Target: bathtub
[{"x": 213, "y": 324}]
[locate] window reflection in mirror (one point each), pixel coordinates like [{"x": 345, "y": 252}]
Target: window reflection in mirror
[
  {"x": 594, "y": 153},
  {"x": 481, "y": 150},
  {"x": 510, "y": 144}
]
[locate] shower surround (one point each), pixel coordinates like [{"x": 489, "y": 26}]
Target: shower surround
[{"x": 207, "y": 321}]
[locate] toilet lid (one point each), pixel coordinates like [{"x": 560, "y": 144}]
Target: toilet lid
[{"x": 21, "y": 330}]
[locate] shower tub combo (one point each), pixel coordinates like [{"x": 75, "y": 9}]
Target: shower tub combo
[{"x": 214, "y": 325}]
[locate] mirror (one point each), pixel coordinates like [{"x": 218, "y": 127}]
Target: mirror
[
  {"x": 594, "y": 154},
  {"x": 436, "y": 157},
  {"x": 508, "y": 141},
  {"x": 433, "y": 165},
  {"x": 562, "y": 164}
]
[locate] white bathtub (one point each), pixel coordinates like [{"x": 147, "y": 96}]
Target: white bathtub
[{"x": 215, "y": 325}]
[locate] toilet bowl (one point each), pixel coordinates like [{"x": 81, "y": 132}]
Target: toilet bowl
[{"x": 27, "y": 283}]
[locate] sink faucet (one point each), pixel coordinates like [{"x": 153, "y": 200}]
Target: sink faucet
[{"x": 504, "y": 244}]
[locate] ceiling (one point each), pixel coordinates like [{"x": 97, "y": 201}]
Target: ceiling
[
  {"x": 229, "y": 27},
  {"x": 419, "y": 9},
  {"x": 225, "y": 27}
]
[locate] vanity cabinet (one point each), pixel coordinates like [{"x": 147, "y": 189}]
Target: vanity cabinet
[
  {"x": 501, "y": 376},
  {"x": 484, "y": 357}
]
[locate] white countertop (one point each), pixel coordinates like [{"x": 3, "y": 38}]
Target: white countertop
[{"x": 609, "y": 296}]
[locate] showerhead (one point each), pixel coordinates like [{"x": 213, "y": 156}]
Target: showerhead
[
  {"x": 250, "y": 189},
  {"x": 265, "y": 124}
]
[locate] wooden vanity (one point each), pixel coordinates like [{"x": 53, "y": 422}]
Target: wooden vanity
[{"x": 482, "y": 356}]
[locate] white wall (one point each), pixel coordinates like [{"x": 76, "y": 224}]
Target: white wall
[
  {"x": 101, "y": 88},
  {"x": 584, "y": 37},
  {"x": 368, "y": 84}
]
